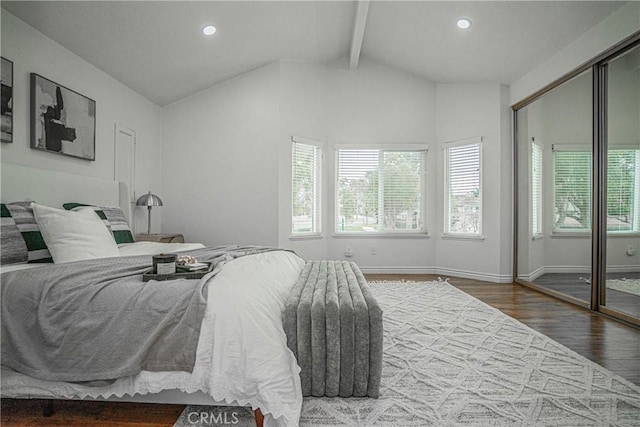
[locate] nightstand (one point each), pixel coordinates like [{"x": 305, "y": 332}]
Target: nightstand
[{"x": 162, "y": 238}]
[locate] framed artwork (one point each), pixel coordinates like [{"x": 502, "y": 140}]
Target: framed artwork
[
  {"x": 6, "y": 81},
  {"x": 62, "y": 120}
]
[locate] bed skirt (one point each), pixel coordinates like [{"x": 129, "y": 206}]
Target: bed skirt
[{"x": 334, "y": 328}]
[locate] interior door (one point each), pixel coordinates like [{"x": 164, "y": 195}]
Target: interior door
[{"x": 125, "y": 158}]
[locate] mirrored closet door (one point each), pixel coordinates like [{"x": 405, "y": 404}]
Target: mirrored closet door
[
  {"x": 554, "y": 190},
  {"x": 622, "y": 284},
  {"x": 577, "y": 185}
]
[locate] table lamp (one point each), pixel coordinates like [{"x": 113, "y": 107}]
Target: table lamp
[{"x": 149, "y": 200}]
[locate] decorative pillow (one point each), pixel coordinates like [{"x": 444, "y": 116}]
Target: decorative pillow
[
  {"x": 74, "y": 236},
  {"x": 22, "y": 215},
  {"x": 113, "y": 218},
  {"x": 13, "y": 249}
]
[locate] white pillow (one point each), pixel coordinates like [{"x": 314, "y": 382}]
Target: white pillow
[{"x": 74, "y": 236}]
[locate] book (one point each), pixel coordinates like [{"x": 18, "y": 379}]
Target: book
[{"x": 196, "y": 266}]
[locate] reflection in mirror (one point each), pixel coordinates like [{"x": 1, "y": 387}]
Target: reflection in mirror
[
  {"x": 554, "y": 144},
  {"x": 623, "y": 184}
]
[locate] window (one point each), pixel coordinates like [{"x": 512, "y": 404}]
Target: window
[
  {"x": 463, "y": 188},
  {"x": 536, "y": 189},
  {"x": 623, "y": 190},
  {"x": 573, "y": 188},
  {"x": 305, "y": 195},
  {"x": 380, "y": 191}
]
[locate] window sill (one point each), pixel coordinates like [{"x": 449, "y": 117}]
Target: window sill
[
  {"x": 306, "y": 237},
  {"x": 469, "y": 237},
  {"x": 537, "y": 236},
  {"x": 623, "y": 234},
  {"x": 570, "y": 235},
  {"x": 610, "y": 234},
  {"x": 382, "y": 235}
]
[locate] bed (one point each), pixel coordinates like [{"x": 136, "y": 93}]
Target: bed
[{"x": 240, "y": 355}]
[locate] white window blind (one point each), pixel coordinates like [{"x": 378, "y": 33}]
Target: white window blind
[
  {"x": 623, "y": 190},
  {"x": 380, "y": 191},
  {"x": 572, "y": 189},
  {"x": 536, "y": 189},
  {"x": 463, "y": 189},
  {"x": 305, "y": 197}
]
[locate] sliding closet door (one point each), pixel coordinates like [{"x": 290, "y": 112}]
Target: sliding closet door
[
  {"x": 554, "y": 190},
  {"x": 622, "y": 285}
]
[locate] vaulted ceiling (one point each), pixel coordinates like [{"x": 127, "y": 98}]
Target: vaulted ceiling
[{"x": 157, "y": 48}]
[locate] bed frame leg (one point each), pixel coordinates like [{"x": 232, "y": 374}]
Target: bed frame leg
[
  {"x": 47, "y": 409},
  {"x": 259, "y": 418}
]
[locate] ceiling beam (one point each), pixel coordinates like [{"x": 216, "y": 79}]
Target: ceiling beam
[{"x": 358, "y": 32}]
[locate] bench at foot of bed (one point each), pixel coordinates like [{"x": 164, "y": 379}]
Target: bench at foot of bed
[{"x": 334, "y": 327}]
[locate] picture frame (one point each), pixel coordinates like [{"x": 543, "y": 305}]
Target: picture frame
[
  {"x": 63, "y": 121},
  {"x": 6, "y": 100}
]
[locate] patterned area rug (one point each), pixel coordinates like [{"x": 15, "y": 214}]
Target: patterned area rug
[
  {"x": 630, "y": 286},
  {"x": 452, "y": 360}
]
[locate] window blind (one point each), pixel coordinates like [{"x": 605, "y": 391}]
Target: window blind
[
  {"x": 623, "y": 190},
  {"x": 463, "y": 213},
  {"x": 305, "y": 197},
  {"x": 572, "y": 188},
  {"x": 536, "y": 189},
  {"x": 380, "y": 191}
]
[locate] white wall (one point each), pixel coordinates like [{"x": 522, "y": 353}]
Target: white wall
[
  {"x": 478, "y": 110},
  {"x": 32, "y": 52},
  {"x": 248, "y": 122},
  {"x": 303, "y": 113},
  {"x": 377, "y": 104},
  {"x": 616, "y": 27},
  {"x": 220, "y": 161}
]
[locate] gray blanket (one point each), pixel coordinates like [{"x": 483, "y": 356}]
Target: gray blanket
[{"x": 97, "y": 320}]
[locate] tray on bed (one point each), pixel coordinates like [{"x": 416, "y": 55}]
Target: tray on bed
[{"x": 149, "y": 275}]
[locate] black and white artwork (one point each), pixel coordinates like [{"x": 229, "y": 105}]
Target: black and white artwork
[
  {"x": 62, "y": 120},
  {"x": 6, "y": 81}
]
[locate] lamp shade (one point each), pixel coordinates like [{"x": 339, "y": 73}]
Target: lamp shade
[{"x": 149, "y": 199}]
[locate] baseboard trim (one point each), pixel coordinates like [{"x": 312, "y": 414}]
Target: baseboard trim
[
  {"x": 623, "y": 269},
  {"x": 567, "y": 269},
  {"x": 399, "y": 270},
  {"x": 559, "y": 269},
  {"x": 463, "y": 274},
  {"x": 534, "y": 275}
]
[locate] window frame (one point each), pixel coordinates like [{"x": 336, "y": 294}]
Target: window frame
[
  {"x": 318, "y": 150},
  {"x": 447, "y": 233},
  {"x": 417, "y": 147}
]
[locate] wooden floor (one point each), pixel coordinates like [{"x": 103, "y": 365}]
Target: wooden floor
[
  {"x": 607, "y": 342},
  {"x": 575, "y": 285}
]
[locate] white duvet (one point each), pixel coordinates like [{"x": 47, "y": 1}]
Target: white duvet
[{"x": 242, "y": 357}]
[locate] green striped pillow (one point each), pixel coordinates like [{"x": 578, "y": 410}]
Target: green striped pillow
[
  {"x": 13, "y": 249},
  {"x": 113, "y": 218},
  {"x": 22, "y": 215}
]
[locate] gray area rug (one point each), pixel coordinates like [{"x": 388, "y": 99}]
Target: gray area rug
[
  {"x": 452, "y": 360},
  {"x": 630, "y": 286}
]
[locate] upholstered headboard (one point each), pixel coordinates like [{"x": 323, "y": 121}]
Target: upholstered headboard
[{"x": 53, "y": 188}]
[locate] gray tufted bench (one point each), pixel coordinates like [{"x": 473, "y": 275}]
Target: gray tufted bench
[{"x": 334, "y": 327}]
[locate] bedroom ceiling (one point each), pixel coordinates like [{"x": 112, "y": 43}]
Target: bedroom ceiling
[{"x": 157, "y": 49}]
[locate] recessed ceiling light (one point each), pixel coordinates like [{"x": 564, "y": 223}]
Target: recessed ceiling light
[
  {"x": 209, "y": 30},
  {"x": 463, "y": 23}
]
